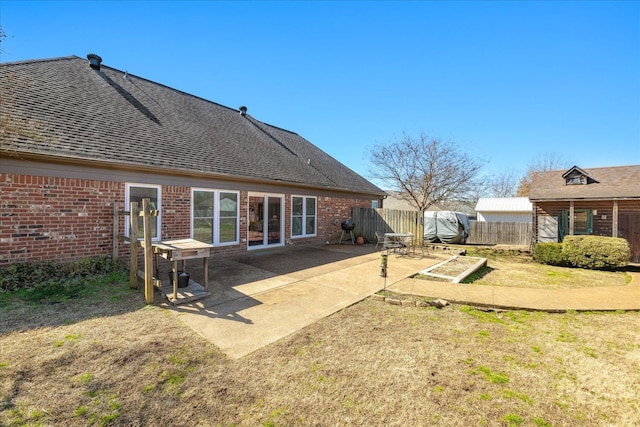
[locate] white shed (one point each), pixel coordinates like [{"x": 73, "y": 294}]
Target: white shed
[{"x": 504, "y": 209}]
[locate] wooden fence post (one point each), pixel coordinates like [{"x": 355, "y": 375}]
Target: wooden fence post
[
  {"x": 134, "y": 214},
  {"x": 148, "y": 252}
]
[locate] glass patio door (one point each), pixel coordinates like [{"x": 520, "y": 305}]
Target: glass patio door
[{"x": 265, "y": 220}]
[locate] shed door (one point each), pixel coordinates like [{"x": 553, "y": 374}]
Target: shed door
[
  {"x": 629, "y": 229},
  {"x": 547, "y": 228}
]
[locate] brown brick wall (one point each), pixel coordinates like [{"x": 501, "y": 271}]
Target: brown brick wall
[
  {"x": 331, "y": 213},
  {"x": 46, "y": 218},
  {"x": 176, "y": 211},
  {"x": 55, "y": 218}
]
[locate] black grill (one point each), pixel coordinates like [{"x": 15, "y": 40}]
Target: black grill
[{"x": 347, "y": 225}]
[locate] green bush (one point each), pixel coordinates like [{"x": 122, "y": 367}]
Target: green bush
[
  {"x": 596, "y": 252},
  {"x": 31, "y": 275},
  {"x": 549, "y": 253}
]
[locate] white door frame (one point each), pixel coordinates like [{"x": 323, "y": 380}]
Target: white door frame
[{"x": 265, "y": 221}]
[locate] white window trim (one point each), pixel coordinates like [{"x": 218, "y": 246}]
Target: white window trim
[
  {"x": 304, "y": 217},
  {"x": 127, "y": 193},
  {"x": 216, "y": 215}
]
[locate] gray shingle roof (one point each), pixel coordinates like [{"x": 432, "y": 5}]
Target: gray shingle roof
[
  {"x": 61, "y": 107},
  {"x": 606, "y": 183}
]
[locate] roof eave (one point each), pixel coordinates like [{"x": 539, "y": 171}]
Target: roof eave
[
  {"x": 77, "y": 161},
  {"x": 570, "y": 199}
]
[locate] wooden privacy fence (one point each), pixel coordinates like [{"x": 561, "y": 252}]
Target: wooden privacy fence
[
  {"x": 504, "y": 233},
  {"x": 368, "y": 221}
]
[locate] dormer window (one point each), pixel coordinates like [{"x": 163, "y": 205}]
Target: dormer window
[
  {"x": 576, "y": 176},
  {"x": 575, "y": 179}
]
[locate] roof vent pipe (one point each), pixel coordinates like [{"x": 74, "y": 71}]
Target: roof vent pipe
[
  {"x": 243, "y": 111},
  {"x": 94, "y": 61}
]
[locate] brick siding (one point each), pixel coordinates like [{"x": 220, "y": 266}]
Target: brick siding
[
  {"x": 46, "y": 218},
  {"x": 55, "y": 218}
]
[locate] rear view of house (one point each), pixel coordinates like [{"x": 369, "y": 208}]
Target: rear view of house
[
  {"x": 598, "y": 201},
  {"x": 78, "y": 136}
]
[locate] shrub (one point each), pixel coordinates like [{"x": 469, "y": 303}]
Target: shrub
[
  {"x": 549, "y": 253},
  {"x": 31, "y": 275},
  {"x": 596, "y": 252}
]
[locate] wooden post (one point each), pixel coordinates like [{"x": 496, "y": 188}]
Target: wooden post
[
  {"x": 572, "y": 219},
  {"x": 206, "y": 271},
  {"x": 148, "y": 252},
  {"x": 134, "y": 213},
  {"x": 614, "y": 219}
]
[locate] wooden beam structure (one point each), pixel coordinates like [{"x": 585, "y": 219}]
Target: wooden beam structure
[
  {"x": 134, "y": 211},
  {"x": 148, "y": 251}
]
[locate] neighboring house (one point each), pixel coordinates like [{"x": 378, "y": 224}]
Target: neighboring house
[
  {"x": 598, "y": 201},
  {"x": 394, "y": 201},
  {"x": 78, "y": 136},
  {"x": 504, "y": 209},
  {"x": 460, "y": 206}
]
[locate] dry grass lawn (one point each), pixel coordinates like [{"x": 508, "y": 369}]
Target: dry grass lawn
[
  {"x": 521, "y": 271},
  {"x": 106, "y": 359}
]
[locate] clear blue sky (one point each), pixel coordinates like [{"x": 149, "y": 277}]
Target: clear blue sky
[{"x": 507, "y": 81}]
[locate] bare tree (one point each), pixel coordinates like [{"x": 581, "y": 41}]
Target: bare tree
[
  {"x": 504, "y": 184},
  {"x": 3, "y": 36},
  {"x": 424, "y": 170},
  {"x": 542, "y": 163}
]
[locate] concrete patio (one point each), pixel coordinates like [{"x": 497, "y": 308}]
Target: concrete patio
[{"x": 262, "y": 296}]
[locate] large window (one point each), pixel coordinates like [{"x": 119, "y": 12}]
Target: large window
[
  {"x": 215, "y": 216},
  {"x": 137, "y": 192},
  {"x": 303, "y": 216},
  {"x": 582, "y": 222}
]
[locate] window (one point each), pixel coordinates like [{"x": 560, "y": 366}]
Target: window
[
  {"x": 303, "y": 216},
  {"x": 137, "y": 192},
  {"x": 203, "y": 220},
  {"x": 215, "y": 216},
  {"x": 582, "y": 222},
  {"x": 575, "y": 179},
  {"x": 374, "y": 204}
]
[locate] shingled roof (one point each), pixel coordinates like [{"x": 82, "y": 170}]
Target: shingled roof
[
  {"x": 619, "y": 182},
  {"x": 63, "y": 109}
]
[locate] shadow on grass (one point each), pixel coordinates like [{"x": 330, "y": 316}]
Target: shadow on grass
[
  {"x": 478, "y": 274},
  {"x": 631, "y": 268}
]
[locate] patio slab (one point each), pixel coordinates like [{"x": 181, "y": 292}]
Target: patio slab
[{"x": 240, "y": 318}]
